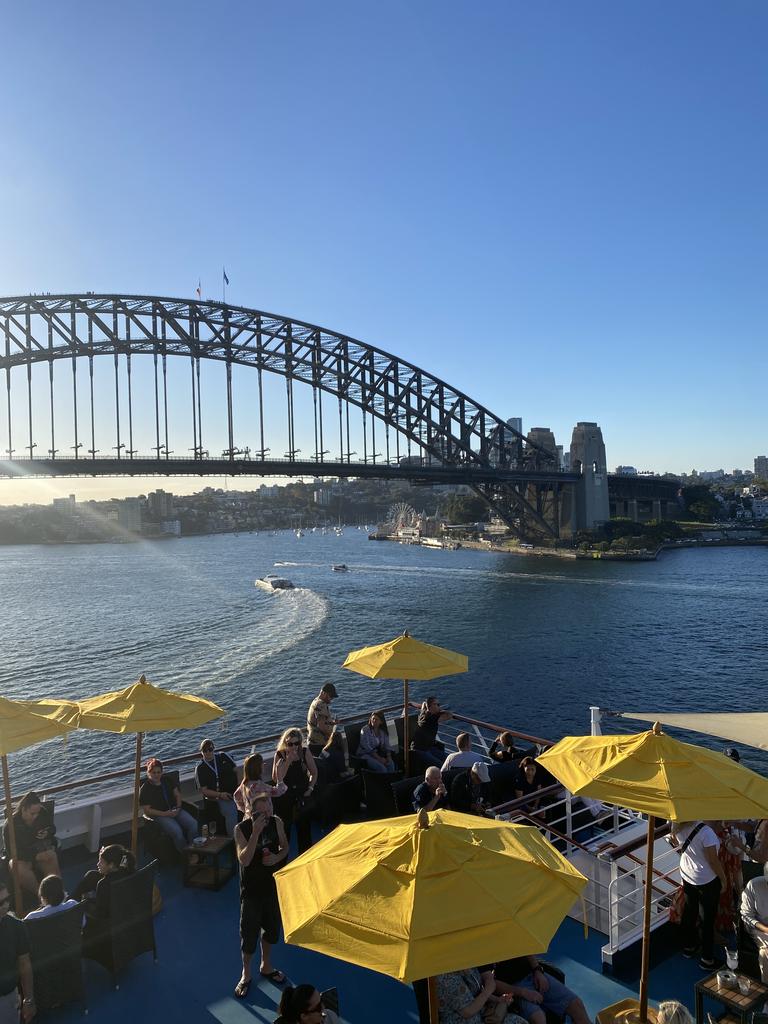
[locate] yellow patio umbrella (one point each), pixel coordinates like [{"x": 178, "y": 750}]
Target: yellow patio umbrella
[
  {"x": 142, "y": 708},
  {"x": 662, "y": 777},
  {"x": 416, "y": 897},
  {"x": 21, "y": 727},
  {"x": 408, "y": 659}
]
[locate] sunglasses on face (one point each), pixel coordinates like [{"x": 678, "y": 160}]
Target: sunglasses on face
[{"x": 292, "y": 743}]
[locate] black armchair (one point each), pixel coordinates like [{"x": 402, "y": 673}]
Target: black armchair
[
  {"x": 378, "y": 795},
  {"x": 403, "y": 793},
  {"x": 55, "y": 945},
  {"x": 129, "y": 930}
]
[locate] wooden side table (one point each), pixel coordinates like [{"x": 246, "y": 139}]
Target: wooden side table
[
  {"x": 210, "y": 865},
  {"x": 738, "y": 1006}
]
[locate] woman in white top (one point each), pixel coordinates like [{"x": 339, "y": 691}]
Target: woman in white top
[{"x": 703, "y": 876}]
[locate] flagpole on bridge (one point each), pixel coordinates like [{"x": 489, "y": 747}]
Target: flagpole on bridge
[{"x": 224, "y": 283}]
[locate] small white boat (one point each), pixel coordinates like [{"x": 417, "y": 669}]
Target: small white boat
[
  {"x": 272, "y": 583},
  {"x": 340, "y": 567}
]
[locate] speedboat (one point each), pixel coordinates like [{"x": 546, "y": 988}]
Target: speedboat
[
  {"x": 340, "y": 568},
  {"x": 272, "y": 583}
]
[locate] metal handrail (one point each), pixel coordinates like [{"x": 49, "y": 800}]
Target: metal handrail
[{"x": 259, "y": 742}]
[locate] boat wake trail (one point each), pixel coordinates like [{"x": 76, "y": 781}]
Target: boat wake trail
[{"x": 268, "y": 628}]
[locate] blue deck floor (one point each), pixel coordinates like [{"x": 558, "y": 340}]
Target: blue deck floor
[{"x": 199, "y": 964}]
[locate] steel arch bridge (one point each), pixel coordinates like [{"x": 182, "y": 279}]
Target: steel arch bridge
[{"x": 429, "y": 431}]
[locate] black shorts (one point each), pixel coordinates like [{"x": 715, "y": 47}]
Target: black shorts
[{"x": 257, "y": 916}]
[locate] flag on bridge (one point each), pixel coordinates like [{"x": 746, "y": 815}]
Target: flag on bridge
[
  {"x": 199, "y": 288},
  {"x": 224, "y": 272}
]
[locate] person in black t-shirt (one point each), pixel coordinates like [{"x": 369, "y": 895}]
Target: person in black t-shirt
[
  {"x": 262, "y": 846},
  {"x": 425, "y": 741},
  {"x": 217, "y": 779},
  {"x": 163, "y": 804},
  {"x": 15, "y": 965}
]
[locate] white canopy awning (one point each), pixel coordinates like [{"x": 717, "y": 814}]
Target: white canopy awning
[{"x": 748, "y": 727}]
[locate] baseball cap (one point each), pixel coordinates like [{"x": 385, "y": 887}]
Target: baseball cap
[
  {"x": 480, "y": 768},
  {"x": 330, "y": 689}
]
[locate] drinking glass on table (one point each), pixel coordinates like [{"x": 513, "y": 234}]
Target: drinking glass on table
[{"x": 212, "y": 829}]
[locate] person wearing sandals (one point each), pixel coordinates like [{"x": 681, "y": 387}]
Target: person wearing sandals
[{"x": 262, "y": 848}]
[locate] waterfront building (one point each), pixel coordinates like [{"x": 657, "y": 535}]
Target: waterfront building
[
  {"x": 760, "y": 508},
  {"x": 625, "y": 471}
]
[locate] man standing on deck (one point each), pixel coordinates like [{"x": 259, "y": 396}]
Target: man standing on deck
[
  {"x": 320, "y": 722},
  {"x": 262, "y": 847},
  {"x": 754, "y": 914},
  {"x": 15, "y": 965}
]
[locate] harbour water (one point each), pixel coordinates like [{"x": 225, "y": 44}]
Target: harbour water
[{"x": 545, "y": 639}]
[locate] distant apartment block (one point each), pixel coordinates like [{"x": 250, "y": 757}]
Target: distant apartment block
[
  {"x": 761, "y": 467},
  {"x": 626, "y": 471}
]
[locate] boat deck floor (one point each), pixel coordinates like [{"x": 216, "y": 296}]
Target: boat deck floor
[{"x": 199, "y": 964}]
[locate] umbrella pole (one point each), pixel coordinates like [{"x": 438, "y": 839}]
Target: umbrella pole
[
  {"x": 12, "y": 838},
  {"x": 647, "y": 920},
  {"x": 433, "y": 1007},
  {"x": 406, "y": 743},
  {"x": 135, "y": 817}
]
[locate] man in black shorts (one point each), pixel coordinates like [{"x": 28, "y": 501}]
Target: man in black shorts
[{"x": 262, "y": 848}]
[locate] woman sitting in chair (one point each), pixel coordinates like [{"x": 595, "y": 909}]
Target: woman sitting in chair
[
  {"x": 114, "y": 863},
  {"x": 374, "y": 746},
  {"x": 35, "y": 842}
]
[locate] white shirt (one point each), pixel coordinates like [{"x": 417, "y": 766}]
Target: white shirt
[
  {"x": 694, "y": 867},
  {"x": 459, "y": 759},
  {"x": 754, "y": 904},
  {"x": 48, "y": 910}
]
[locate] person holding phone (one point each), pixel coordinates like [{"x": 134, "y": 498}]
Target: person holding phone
[{"x": 262, "y": 847}]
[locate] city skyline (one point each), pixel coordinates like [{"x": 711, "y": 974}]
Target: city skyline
[{"x": 561, "y": 211}]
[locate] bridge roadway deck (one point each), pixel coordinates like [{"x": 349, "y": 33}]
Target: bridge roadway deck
[{"x": 172, "y": 466}]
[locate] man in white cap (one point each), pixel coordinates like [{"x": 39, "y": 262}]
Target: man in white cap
[{"x": 468, "y": 792}]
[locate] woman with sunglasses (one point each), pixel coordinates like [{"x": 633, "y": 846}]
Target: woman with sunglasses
[
  {"x": 300, "y": 777},
  {"x": 303, "y": 1005}
]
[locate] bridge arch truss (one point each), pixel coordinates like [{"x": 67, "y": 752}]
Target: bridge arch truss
[{"x": 401, "y": 405}]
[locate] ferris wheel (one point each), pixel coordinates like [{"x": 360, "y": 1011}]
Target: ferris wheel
[{"x": 402, "y": 514}]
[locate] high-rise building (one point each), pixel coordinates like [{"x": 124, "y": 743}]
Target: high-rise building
[
  {"x": 761, "y": 467},
  {"x": 160, "y": 504},
  {"x": 516, "y": 423},
  {"x": 129, "y": 514}
]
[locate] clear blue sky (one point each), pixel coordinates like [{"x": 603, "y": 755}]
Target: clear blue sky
[{"x": 559, "y": 207}]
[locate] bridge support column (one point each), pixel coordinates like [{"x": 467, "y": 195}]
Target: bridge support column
[
  {"x": 632, "y": 510},
  {"x": 656, "y": 509}
]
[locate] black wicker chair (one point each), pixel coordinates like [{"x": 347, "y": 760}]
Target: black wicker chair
[
  {"x": 129, "y": 930},
  {"x": 55, "y": 944}
]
